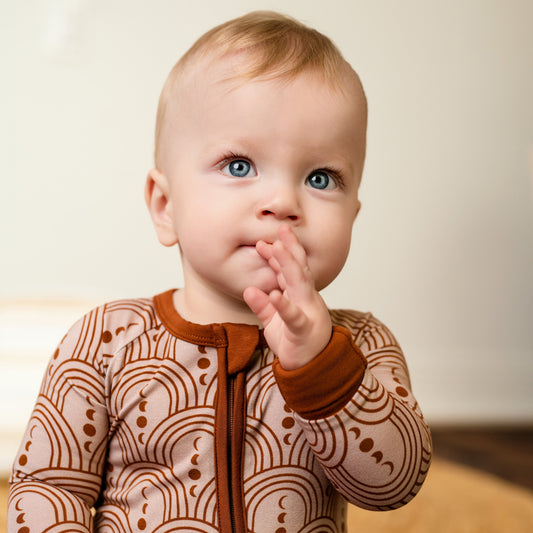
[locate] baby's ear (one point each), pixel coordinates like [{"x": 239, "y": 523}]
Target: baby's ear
[
  {"x": 357, "y": 209},
  {"x": 157, "y": 197}
]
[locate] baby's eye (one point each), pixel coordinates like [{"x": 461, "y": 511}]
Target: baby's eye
[
  {"x": 321, "y": 180},
  {"x": 238, "y": 168}
]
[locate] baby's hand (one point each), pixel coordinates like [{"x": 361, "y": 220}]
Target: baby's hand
[{"x": 296, "y": 320}]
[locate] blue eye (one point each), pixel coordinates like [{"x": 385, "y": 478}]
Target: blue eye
[
  {"x": 321, "y": 180},
  {"x": 238, "y": 168}
]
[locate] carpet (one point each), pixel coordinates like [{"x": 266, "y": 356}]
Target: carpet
[{"x": 454, "y": 499}]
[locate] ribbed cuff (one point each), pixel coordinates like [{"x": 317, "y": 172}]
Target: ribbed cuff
[{"x": 324, "y": 386}]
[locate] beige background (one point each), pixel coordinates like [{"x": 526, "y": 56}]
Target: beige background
[{"x": 443, "y": 248}]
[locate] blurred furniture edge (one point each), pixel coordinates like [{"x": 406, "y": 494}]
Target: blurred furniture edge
[{"x": 30, "y": 330}]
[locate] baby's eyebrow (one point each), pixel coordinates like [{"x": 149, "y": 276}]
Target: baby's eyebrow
[
  {"x": 340, "y": 165},
  {"x": 234, "y": 146},
  {"x": 234, "y": 142}
]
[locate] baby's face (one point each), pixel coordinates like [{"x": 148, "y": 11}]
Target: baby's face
[{"x": 241, "y": 159}]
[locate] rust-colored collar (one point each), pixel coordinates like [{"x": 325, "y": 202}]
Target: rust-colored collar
[{"x": 241, "y": 339}]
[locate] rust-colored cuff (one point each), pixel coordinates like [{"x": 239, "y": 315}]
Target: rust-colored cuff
[{"x": 324, "y": 386}]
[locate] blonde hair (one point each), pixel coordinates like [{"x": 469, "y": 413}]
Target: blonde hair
[{"x": 271, "y": 46}]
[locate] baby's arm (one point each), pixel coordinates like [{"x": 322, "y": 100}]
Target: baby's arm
[
  {"x": 57, "y": 473},
  {"x": 372, "y": 442},
  {"x": 348, "y": 386}
]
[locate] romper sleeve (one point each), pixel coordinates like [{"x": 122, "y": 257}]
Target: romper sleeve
[
  {"x": 57, "y": 472},
  {"x": 355, "y": 406}
]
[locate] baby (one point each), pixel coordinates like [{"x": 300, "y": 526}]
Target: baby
[{"x": 239, "y": 403}]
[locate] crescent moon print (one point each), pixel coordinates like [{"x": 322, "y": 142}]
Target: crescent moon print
[{"x": 139, "y": 417}]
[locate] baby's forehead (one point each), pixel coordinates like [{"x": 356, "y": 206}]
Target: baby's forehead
[
  {"x": 229, "y": 72},
  {"x": 204, "y": 85}
]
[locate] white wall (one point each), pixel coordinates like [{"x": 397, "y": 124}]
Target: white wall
[{"x": 443, "y": 248}]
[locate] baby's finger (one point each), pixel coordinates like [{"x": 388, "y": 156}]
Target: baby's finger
[
  {"x": 290, "y": 240},
  {"x": 296, "y": 281},
  {"x": 260, "y": 305},
  {"x": 274, "y": 263},
  {"x": 281, "y": 281},
  {"x": 264, "y": 249},
  {"x": 293, "y": 317}
]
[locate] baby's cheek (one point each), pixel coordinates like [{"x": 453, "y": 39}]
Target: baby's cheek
[{"x": 330, "y": 259}]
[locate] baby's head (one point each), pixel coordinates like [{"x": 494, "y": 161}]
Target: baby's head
[
  {"x": 259, "y": 45},
  {"x": 261, "y": 122}
]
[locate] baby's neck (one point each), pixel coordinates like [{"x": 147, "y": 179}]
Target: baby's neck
[{"x": 206, "y": 309}]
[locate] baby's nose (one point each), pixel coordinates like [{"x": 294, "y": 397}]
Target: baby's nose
[{"x": 281, "y": 203}]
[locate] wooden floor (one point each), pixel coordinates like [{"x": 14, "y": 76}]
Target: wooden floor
[{"x": 506, "y": 452}]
